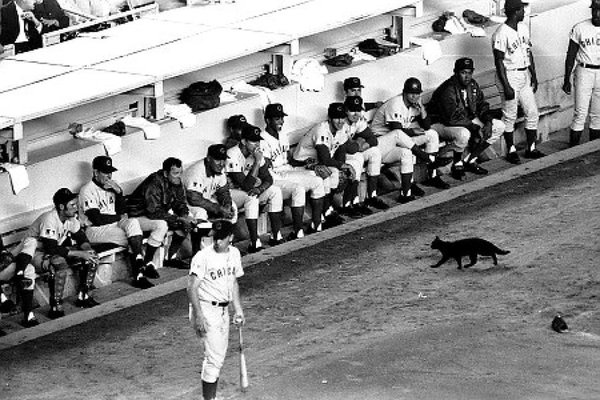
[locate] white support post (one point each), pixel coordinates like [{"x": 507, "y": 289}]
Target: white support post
[
  {"x": 281, "y": 57},
  {"x": 153, "y": 104},
  {"x": 400, "y": 18}
]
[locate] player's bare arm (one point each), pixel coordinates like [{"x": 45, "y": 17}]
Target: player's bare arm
[
  {"x": 569, "y": 64},
  {"x": 237, "y": 304},
  {"x": 197, "y": 318},
  {"x": 509, "y": 93}
]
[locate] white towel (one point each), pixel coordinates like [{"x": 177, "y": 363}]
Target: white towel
[
  {"x": 111, "y": 143},
  {"x": 182, "y": 113},
  {"x": 309, "y": 74},
  {"x": 432, "y": 50},
  {"x": 266, "y": 95},
  {"x": 18, "y": 176},
  {"x": 151, "y": 130}
]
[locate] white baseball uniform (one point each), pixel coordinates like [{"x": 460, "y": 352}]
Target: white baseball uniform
[
  {"x": 516, "y": 46},
  {"x": 92, "y": 196},
  {"x": 294, "y": 182},
  {"x": 371, "y": 156},
  {"x": 216, "y": 273},
  {"x": 197, "y": 180},
  {"x": 586, "y": 80},
  {"x": 395, "y": 145},
  {"x": 237, "y": 162}
]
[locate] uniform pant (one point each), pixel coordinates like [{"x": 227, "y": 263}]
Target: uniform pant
[
  {"x": 303, "y": 177},
  {"x": 216, "y": 340},
  {"x": 459, "y": 135},
  {"x": 390, "y": 143},
  {"x": 520, "y": 81},
  {"x": 272, "y": 197},
  {"x": 27, "y": 246},
  {"x": 586, "y": 84},
  {"x": 371, "y": 156},
  {"x": 200, "y": 213},
  {"x": 117, "y": 232}
]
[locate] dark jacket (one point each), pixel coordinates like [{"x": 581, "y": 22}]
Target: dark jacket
[
  {"x": 50, "y": 9},
  {"x": 9, "y": 27},
  {"x": 447, "y": 105},
  {"x": 155, "y": 196}
]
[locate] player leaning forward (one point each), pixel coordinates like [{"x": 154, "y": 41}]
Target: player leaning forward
[
  {"x": 212, "y": 286},
  {"x": 516, "y": 78}
]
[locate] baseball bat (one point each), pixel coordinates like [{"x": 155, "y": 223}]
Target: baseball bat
[{"x": 243, "y": 370}]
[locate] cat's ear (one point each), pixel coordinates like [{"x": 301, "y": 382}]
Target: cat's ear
[{"x": 437, "y": 238}]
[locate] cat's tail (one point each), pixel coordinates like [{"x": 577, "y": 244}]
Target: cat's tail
[{"x": 501, "y": 252}]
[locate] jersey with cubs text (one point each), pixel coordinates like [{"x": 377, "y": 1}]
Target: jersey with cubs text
[
  {"x": 351, "y": 129},
  {"x": 319, "y": 134},
  {"x": 587, "y": 36},
  {"x": 217, "y": 272},
  {"x": 197, "y": 180},
  {"x": 515, "y": 44},
  {"x": 394, "y": 110},
  {"x": 92, "y": 196},
  {"x": 49, "y": 226},
  {"x": 276, "y": 150}
]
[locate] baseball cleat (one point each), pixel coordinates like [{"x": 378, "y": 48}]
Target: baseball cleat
[
  {"x": 436, "y": 182},
  {"x": 377, "y": 203},
  {"x": 175, "y": 263},
  {"x": 150, "y": 271},
  {"x": 416, "y": 190},
  {"x": 8, "y": 307},
  {"x": 475, "y": 169},
  {"x": 86, "y": 303},
  {"x": 535, "y": 153},
  {"x": 252, "y": 248},
  {"x": 457, "y": 172},
  {"x": 275, "y": 242},
  {"x": 513, "y": 158},
  {"x": 28, "y": 323},
  {"x": 142, "y": 283},
  {"x": 403, "y": 199},
  {"x": 363, "y": 209},
  {"x": 55, "y": 313}
]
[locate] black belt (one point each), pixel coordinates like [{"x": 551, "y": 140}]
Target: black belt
[
  {"x": 217, "y": 304},
  {"x": 590, "y": 66}
]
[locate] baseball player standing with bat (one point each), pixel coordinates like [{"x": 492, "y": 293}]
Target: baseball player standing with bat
[
  {"x": 516, "y": 78},
  {"x": 584, "y": 49},
  {"x": 212, "y": 286}
]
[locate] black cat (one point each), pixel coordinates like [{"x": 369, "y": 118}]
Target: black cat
[{"x": 465, "y": 247}]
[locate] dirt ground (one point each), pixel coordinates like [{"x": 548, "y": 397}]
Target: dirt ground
[{"x": 364, "y": 317}]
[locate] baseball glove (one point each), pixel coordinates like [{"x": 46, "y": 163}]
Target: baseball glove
[
  {"x": 322, "y": 171},
  {"x": 6, "y": 258}
]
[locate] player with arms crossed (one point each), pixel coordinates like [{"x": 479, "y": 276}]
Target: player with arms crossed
[{"x": 212, "y": 286}]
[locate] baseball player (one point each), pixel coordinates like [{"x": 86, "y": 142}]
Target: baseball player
[
  {"x": 324, "y": 148},
  {"x": 62, "y": 242},
  {"x": 353, "y": 87},
  {"x": 161, "y": 197},
  {"x": 294, "y": 182},
  {"x": 103, "y": 214},
  {"x": 462, "y": 117},
  {"x": 212, "y": 286},
  {"x": 402, "y": 121},
  {"x": 235, "y": 123},
  {"x": 516, "y": 78},
  {"x": 208, "y": 193},
  {"x": 253, "y": 185},
  {"x": 368, "y": 153},
  {"x": 584, "y": 49}
]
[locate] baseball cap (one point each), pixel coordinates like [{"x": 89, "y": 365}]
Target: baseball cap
[
  {"x": 354, "y": 103},
  {"x": 63, "y": 196},
  {"x": 463, "y": 63},
  {"x": 236, "y": 121},
  {"x": 217, "y": 151},
  {"x": 103, "y": 164},
  {"x": 352, "y": 82},
  {"x": 514, "y": 4},
  {"x": 595, "y": 4},
  {"x": 222, "y": 228},
  {"x": 251, "y": 133},
  {"x": 336, "y": 110},
  {"x": 412, "y": 85},
  {"x": 274, "y": 110}
]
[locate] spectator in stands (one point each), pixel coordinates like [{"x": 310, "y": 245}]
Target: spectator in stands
[
  {"x": 403, "y": 121},
  {"x": 19, "y": 26},
  {"x": 294, "y": 182},
  {"x": 161, "y": 196},
  {"x": 368, "y": 152},
  {"x": 51, "y": 15},
  {"x": 207, "y": 192},
  {"x": 235, "y": 123},
  {"x": 353, "y": 87},
  {"x": 102, "y": 211},
  {"x": 462, "y": 116},
  {"x": 61, "y": 242},
  {"x": 253, "y": 185},
  {"x": 323, "y": 149}
]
